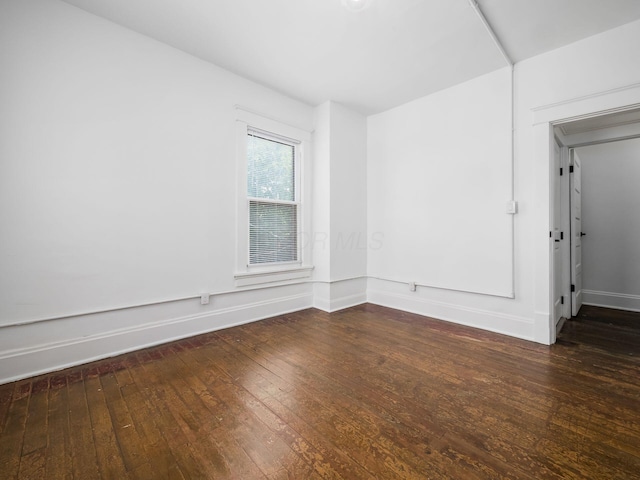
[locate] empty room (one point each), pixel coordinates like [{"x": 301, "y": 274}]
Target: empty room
[{"x": 309, "y": 239}]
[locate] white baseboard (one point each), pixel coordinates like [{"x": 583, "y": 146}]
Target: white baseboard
[
  {"x": 620, "y": 301},
  {"x": 31, "y": 349},
  {"x": 348, "y": 301},
  {"x": 495, "y": 322},
  {"x": 542, "y": 330},
  {"x": 89, "y": 338},
  {"x": 340, "y": 294}
]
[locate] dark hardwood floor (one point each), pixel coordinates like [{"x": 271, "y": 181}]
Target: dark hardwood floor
[{"x": 366, "y": 392}]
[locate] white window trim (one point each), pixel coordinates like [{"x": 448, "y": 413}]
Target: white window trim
[{"x": 246, "y": 274}]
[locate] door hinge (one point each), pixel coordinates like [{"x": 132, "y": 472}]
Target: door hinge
[
  {"x": 562, "y": 300},
  {"x": 561, "y": 235},
  {"x": 560, "y": 171},
  {"x": 571, "y": 169},
  {"x": 573, "y": 288}
]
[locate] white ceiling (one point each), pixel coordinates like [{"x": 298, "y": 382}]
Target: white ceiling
[{"x": 390, "y": 53}]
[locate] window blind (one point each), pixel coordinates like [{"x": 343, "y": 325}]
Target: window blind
[{"x": 273, "y": 232}]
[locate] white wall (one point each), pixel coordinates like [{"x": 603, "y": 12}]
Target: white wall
[
  {"x": 440, "y": 176},
  {"x": 340, "y": 202},
  {"x": 610, "y": 218},
  {"x": 348, "y": 193},
  {"x": 117, "y": 171},
  {"x": 319, "y": 239},
  {"x": 591, "y": 69},
  {"x": 439, "y": 180}
]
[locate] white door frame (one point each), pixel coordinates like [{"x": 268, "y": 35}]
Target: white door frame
[
  {"x": 544, "y": 119},
  {"x": 561, "y": 238},
  {"x": 565, "y": 206}
]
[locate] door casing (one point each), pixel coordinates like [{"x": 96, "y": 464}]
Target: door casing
[{"x": 544, "y": 119}]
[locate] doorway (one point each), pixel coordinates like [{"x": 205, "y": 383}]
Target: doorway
[
  {"x": 610, "y": 253},
  {"x": 545, "y": 118},
  {"x": 611, "y": 250}
]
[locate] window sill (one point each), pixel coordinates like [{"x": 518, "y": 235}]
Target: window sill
[{"x": 270, "y": 276}]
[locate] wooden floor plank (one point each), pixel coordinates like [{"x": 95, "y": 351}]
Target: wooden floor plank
[
  {"x": 6, "y": 395},
  {"x": 157, "y": 450},
  {"x": 400, "y": 456},
  {"x": 128, "y": 440},
  {"x": 254, "y": 457},
  {"x": 226, "y": 435},
  {"x": 58, "y": 461},
  {"x": 492, "y": 432},
  {"x": 172, "y": 444},
  {"x": 326, "y": 460},
  {"x": 341, "y": 404},
  {"x": 35, "y": 435},
  {"x": 270, "y": 451},
  {"x": 109, "y": 455},
  {"x": 366, "y": 392},
  {"x": 193, "y": 423},
  {"x": 13, "y": 432},
  {"x": 32, "y": 465},
  {"x": 83, "y": 447}
]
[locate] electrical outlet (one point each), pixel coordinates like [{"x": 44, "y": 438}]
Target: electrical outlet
[{"x": 204, "y": 299}]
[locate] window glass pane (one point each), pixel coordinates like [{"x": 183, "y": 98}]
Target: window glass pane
[
  {"x": 270, "y": 167},
  {"x": 273, "y": 232}
]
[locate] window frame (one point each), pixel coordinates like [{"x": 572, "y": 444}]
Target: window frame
[
  {"x": 271, "y": 129},
  {"x": 251, "y": 131}
]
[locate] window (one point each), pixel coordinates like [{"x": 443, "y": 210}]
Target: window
[
  {"x": 272, "y": 191},
  {"x": 273, "y": 211}
]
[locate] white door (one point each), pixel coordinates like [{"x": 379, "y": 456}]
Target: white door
[
  {"x": 576, "y": 234},
  {"x": 557, "y": 236}
]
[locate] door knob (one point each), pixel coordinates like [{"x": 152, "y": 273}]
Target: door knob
[{"x": 582, "y": 234}]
